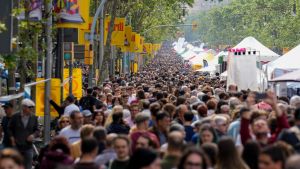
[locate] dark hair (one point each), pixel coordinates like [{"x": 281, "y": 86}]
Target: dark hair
[
  {"x": 211, "y": 151},
  {"x": 297, "y": 114},
  {"x": 88, "y": 145},
  {"x": 100, "y": 133},
  {"x": 190, "y": 151},
  {"x": 188, "y": 116},
  {"x": 208, "y": 127},
  {"x": 142, "y": 158},
  {"x": 73, "y": 114},
  {"x": 89, "y": 91},
  {"x": 60, "y": 143},
  {"x": 117, "y": 117},
  {"x": 161, "y": 115},
  {"x": 276, "y": 153},
  {"x": 154, "y": 108},
  {"x": 180, "y": 100},
  {"x": 145, "y": 104},
  {"x": 140, "y": 95},
  {"x": 13, "y": 155},
  {"x": 220, "y": 104},
  {"x": 243, "y": 110},
  {"x": 228, "y": 156},
  {"x": 169, "y": 108},
  {"x": 250, "y": 154}
]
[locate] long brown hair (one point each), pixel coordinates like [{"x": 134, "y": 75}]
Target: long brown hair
[{"x": 228, "y": 157}]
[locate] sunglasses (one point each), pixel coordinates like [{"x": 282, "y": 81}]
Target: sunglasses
[
  {"x": 65, "y": 121},
  {"x": 30, "y": 107}
]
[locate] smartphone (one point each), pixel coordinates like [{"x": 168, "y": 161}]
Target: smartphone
[{"x": 261, "y": 96}]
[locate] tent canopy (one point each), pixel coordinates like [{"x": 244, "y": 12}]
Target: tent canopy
[
  {"x": 290, "y": 60},
  {"x": 289, "y": 77},
  {"x": 265, "y": 54}
]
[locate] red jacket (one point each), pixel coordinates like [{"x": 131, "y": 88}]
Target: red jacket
[{"x": 282, "y": 123}]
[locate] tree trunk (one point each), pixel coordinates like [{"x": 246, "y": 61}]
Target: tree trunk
[{"x": 107, "y": 50}]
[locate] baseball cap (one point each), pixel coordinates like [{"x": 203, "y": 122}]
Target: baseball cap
[
  {"x": 6, "y": 105},
  {"x": 28, "y": 103},
  {"x": 86, "y": 113}
]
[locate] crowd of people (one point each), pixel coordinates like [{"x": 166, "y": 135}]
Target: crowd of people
[{"x": 164, "y": 117}]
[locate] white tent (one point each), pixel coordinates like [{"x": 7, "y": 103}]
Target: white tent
[
  {"x": 261, "y": 78},
  {"x": 188, "y": 54},
  {"x": 289, "y": 77},
  {"x": 198, "y": 59},
  {"x": 264, "y": 54},
  {"x": 289, "y": 61}
]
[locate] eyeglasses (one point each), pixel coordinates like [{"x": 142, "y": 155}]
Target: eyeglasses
[
  {"x": 65, "y": 121},
  {"x": 30, "y": 107}
]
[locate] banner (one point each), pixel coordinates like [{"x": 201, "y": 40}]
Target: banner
[
  {"x": 147, "y": 48},
  {"x": 242, "y": 71},
  {"x": 141, "y": 45},
  {"x": 137, "y": 43},
  {"x": 72, "y": 13},
  {"x": 76, "y": 83},
  {"x": 126, "y": 47},
  {"x": 40, "y": 96},
  {"x": 118, "y": 34},
  {"x": 132, "y": 42}
]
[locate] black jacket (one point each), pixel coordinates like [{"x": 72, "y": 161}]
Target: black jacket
[{"x": 20, "y": 133}]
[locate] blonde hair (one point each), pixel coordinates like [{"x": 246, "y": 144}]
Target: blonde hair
[
  {"x": 116, "y": 109},
  {"x": 86, "y": 131}
]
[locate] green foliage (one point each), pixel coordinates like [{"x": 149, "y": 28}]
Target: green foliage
[{"x": 270, "y": 21}]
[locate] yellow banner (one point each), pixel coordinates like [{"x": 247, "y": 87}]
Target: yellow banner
[
  {"x": 118, "y": 34},
  {"x": 141, "y": 45},
  {"x": 126, "y": 47},
  {"x": 137, "y": 43},
  {"x": 147, "y": 48},
  {"x": 73, "y": 14},
  {"x": 132, "y": 42},
  {"x": 76, "y": 83},
  {"x": 40, "y": 96}
]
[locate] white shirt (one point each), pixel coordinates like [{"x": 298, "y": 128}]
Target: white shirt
[
  {"x": 71, "y": 134},
  {"x": 70, "y": 108}
]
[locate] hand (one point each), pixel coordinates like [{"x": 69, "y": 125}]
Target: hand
[
  {"x": 30, "y": 138},
  {"x": 271, "y": 98}
]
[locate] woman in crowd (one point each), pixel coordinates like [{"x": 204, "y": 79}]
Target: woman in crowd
[
  {"x": 228, "y": 156},
  {"x": 193, "y": 158},
  {"x": 99, "y": 118}
]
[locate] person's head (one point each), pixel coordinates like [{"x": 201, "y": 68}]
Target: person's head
[
  {"x": 86, "y": 131},
  {"x": 63, "y": 122},
  {"x": 144, "y": 141},
  {"x": 99, "y": 118},
  {"x": 11, "y": 159},
  {"x": 272, "y": 157},
  {"x": 221, "y": 123},
  {"x": 225, "y": 109},
  {"x": 175, "y": 142},
  {"x": 188, "y": 116},
  {"x": 182, "y": 109},
  {"x": 60, "y": 143},
  {"x": 87, "y": 117},
  {"x": 100, "y": 134},
  {"x": 110, "y": 140},
  {"x": 170, "y": 109},
  {"x": 154, "y": 109},
  {"x": 193, "y": 158},
  {"x": 232, "y": 88},
  {"x": 250, "y": 154},
  {"x": 134, "y": 110},
  {"x": 211, "y": 151},
  {"x": 179, "y": 128},
  {"x": 297, "y": 116},
  {"x": 163, "y": 121},
  {"x": 27, "y": 106},
  {"x": 293, "y": 162},
  {"x": 89, "y": 146},
  {"x": 233, "y": 102},
  {"x": 228, "y": 156},
  {"x": 76, "y": 119},
  {"x": 142, "y": 121},
  {"x": 8, "y": 108},
  {"x": 144, "y": 159},
  {"x": 295, "y": 101},
  {"x": 202, "y": 110},
  {"x": 89, "y": 91},
  {"x": 70, "y": 99},
  {"x": 121, "y": 145},
  {"x": 207, "y": 133},
  {"x": 261, "y": 130}
]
